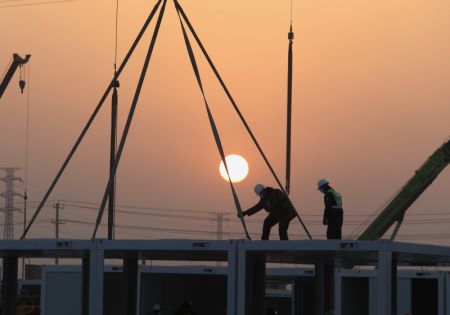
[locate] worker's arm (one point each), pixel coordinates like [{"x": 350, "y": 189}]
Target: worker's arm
[
  {"x": 325, "y": 217},
  {"x": 258, "y": 207}
]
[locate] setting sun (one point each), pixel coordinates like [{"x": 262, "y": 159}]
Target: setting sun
[{"x": 237, "y": 166}]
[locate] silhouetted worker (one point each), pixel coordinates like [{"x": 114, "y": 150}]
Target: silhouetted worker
[
  {"x": 333, "y": 215},
  {"x": 280, "y": 210}
]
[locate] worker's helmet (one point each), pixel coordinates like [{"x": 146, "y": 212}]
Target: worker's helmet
[
  {"x": 259, "y": 188},
  {"x": 157, "y": 307},
  {"x": 322, "y": 182}
]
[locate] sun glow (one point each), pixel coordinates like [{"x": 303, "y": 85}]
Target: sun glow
[{"x": 237, "y": 166}]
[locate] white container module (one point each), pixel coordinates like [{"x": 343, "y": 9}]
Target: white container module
[{"x": 418, "y": 292}]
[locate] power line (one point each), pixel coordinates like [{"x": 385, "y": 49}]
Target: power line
[
  {"x": 34, "y": 4},
  {"x": 412, "y": 236},
  {"x": 142, "y": 207},
  {"x": 212, "y": 218},
  {"x": 147, "y": 228}
]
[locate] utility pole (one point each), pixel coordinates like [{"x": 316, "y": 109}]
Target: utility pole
[
  {"x": 219, "y": 232},
  {"x": 8, "y": 231},
  {"x": 219, "y": 226},
  {"x": 57, "y": 222}
]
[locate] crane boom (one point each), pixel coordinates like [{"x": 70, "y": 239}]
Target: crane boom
[
  {"x": 423, "y": 178},
  {"x": 17, "y": 61}
]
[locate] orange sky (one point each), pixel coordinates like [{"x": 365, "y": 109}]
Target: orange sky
[{"x": 371, "y": 103}]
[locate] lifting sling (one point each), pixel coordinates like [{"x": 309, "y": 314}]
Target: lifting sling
[
  {"x": 92, "y": 117},
  {"x": 129, "y": 119},
  {"x": 182, "y": 14},
  {"x": 289, "y": 114},
  {"x": 213, "y": 125}
]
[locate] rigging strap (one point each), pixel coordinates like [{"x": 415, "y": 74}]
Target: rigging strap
[
  {"x": 289, "y": 114},
  {"x": 129, "y": 119},
  {"x": 91, "y": 119},
  {"x": 227, "y": 92},
  {"x": 213, "y": 125},
  {"x": 230, "y": 97}
]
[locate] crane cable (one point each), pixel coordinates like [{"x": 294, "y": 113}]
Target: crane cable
[{"x": 116, "y": 37}]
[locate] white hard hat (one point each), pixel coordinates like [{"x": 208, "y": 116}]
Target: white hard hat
[
  {"x": 157, "y": 307},
  {"x": 259, "y": 188},
  {"x": 321, "y": 183}
]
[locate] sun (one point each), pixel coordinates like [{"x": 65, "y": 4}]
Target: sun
[{"x": 237, "y": 166}]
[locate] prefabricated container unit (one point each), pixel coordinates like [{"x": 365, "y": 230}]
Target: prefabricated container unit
[{"x": 418, "y": 292}]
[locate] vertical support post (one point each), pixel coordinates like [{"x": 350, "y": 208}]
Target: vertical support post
[
  {"x": 255, "y": 283},
  {"x": 232, "y": 276},
  {"x": 251, "y": 282},
  {"x": 85, "y": 263},
  {"x": 329, "y": 289},
  {"x": 324, "y": 288},
  {"x": 130, "y": 273},
  {"x": 57, "y": 207},
  {"x": 337, "y": 291},
  {"x": 241, "y": 271},
  {"x": 9, "y": 294},
  {"x": 112, "y": 157},
  {"x": 296, "y": 297},
  {"x": 394, "y": 285},
  {"x": 320, "y": 288},
  {"x": 447, "y": 293},
  {"x": 96, "y": 274},
  {"x": 384, "y": 295}
]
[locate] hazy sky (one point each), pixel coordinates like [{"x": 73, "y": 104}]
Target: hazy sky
[{"x": 371, "y": 103}]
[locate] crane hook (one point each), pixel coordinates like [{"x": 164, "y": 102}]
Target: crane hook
[{"x": 22, "y": 85}]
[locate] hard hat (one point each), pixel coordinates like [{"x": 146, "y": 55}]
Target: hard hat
[
  {"x": 259, "y": 188},
  {"x": 321, "y": 183},
  {"x": 157, "y": 307}
]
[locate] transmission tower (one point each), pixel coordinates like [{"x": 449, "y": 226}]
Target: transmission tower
[{"x": 8, "y": 231}]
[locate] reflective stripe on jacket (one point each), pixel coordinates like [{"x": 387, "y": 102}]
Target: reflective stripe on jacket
[{"x": 337, "y": 198}]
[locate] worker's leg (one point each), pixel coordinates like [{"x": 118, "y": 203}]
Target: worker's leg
[
  {"x": 332, "y": 233},
  {"x": 267, "y": 226},
  {"x": 283, "y": 226},
  {"x": 340, "y": 222},
  {"x": 334, "y": 225}
]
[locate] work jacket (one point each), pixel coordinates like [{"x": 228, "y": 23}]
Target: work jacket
[
  {"x": 275, "y": 202},
  {"x": 333, "y": 204}
]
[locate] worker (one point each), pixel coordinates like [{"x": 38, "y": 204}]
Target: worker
[
  {"x": 279, "y": 207},
  {"x": 333, "y": 215}
]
